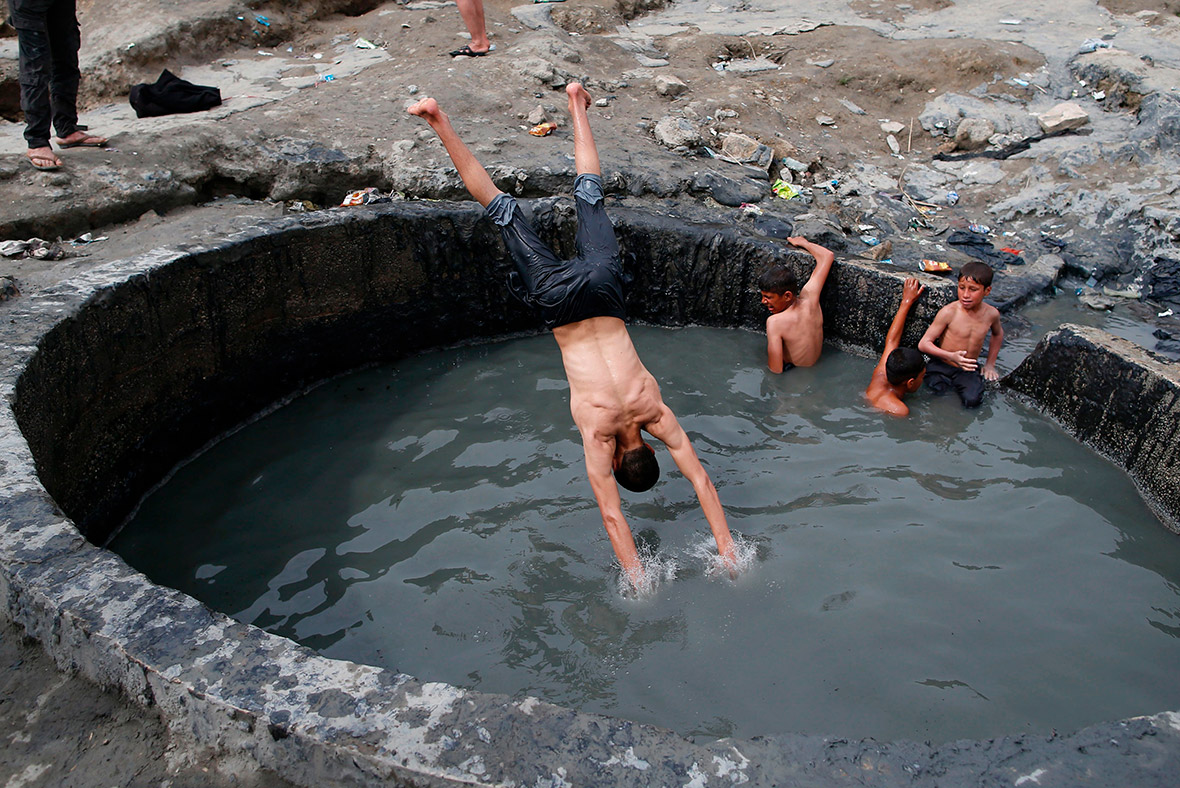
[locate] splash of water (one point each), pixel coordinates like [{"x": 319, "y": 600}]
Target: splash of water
[
  {"x": 657, "y": 570},
  {"x": 745, "y": 554}
]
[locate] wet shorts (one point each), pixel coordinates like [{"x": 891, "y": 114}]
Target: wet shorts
[
  {"x": 565, "y": 291},
  {"x": 941, "y": 377}
]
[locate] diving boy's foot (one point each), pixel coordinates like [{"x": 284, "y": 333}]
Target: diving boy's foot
[
  {"x": 427, "y": 109},
  {"x": 43, "y": 159},
  {"x": 577, "y": 93}
]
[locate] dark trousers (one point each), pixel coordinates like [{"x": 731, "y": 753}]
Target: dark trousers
[{"x": 48, "y": 37}]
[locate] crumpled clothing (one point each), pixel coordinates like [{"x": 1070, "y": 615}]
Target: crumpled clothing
[{"x": 978, "y": 246}]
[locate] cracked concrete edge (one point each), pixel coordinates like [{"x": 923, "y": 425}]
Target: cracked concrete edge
[{"x": 236, "y": 690}]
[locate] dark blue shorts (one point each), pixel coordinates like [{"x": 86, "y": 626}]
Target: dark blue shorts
[
  {"x": 565, "y": 291},
  {"x": 941, "y": 377}
]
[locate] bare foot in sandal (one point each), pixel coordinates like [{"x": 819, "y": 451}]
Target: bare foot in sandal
[
  {"x": 80, "y": 139},
  {"x": 43, "y": 158}
]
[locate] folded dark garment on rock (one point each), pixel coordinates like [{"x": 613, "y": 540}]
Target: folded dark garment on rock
[
  {"x": 977, "y": 246},
  {"x": 171, "y": 94}
]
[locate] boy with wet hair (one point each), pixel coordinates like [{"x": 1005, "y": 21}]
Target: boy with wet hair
[
  {"x": 795, "y": 328},
  {"x": 901, "y": 369},
  {"x": 955, "y": 338},
  {"x": 613, "y": 398}
]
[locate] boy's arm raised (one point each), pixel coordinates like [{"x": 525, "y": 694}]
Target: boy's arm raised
[
  {"x": 910, "y": 291},
  {"x": 823, "y": 264}
]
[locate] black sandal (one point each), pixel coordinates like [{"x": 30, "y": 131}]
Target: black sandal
[{"x": 467, "y": 51}]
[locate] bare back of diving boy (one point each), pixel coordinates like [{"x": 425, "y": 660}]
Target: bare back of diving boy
[
  {"x": 900, "y": 370},
  {"x": 613, "y": 398},
  {"x": 960, "y": 328},
  {"x": 795, "y": 328}
]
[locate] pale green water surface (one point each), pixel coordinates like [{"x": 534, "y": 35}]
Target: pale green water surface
[{"x": 956, "y": 574}]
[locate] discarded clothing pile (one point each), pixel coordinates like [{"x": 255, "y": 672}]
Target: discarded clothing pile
[
  {"x": 978, "y": 246},
  {"x": 171, "y": 94}
]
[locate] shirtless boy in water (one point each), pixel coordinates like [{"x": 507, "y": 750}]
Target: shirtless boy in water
[
  {"x": 795, "y": 328},
  {"x": 901, "y": 369},
  {"x": 613, "y": 398},
  {"x": 959, "y": 328}
]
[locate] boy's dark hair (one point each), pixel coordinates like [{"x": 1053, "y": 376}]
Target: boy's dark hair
[
  {"x": 638, "y": 469},
  {"x": 778, "y": 279},
  {"x": 980, "y": 272},
  {"x": 904, "y": 363}
]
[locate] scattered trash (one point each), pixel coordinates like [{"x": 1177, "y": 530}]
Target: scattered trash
[
  {"x": 1010, "y": 250},
  {"x": 952, "y": 198},
  {"x": 327, "y": 78},
  {"x": 262, "y": 20},
  {"x": 37, "y": 248},
  {"x": 785, "y": 190},
  {"x": 1098, "y": 95},
  {"x": 882, "y": 252},
  {"x": 827, "y": 63},
  {"x": 317, "y": 55},
  {"x": 1011, "y": 21},
  {"x": 364, "y": 43},
  {"x": 88, "y": 238},
  {"x": 751, "y": 210},
  {"x": 1092, "y": 44},
  {"x": 1097, "y": 302},
  {"x": 367, "y": 196},
  {"x": 825, "y": 120},
  {"x": 1021, "y": 82},
  {"x": 264, "y": 53},
  {"x": 300, "y": 206},
  {"x": 548, "y": 1},
  {"x": 1165, "y": 313},
  {"x": 870, "y": 240},
  {"x": 979, "y": 228},
  {"x": 543, "y": 129},
  {"x": 1092, "y": 282},
  {"x": 934, "y": 266}
]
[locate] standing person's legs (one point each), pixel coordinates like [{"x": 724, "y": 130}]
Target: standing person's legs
[
  {"x": 35, "y": 63},
  {"x": 65, "y": 39},
  {"x": 472, "y": 13}
]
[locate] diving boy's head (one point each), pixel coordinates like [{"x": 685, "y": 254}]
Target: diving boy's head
[
  {"x": 779, "y": 288},
  {"x": 636, "y": 468},
  {"x": 905, "y": 365},
  {"x": 975, "y": 282}
]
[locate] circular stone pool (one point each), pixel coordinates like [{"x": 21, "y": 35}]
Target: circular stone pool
[
  {"x": 119, "y": 374},
  {"x": 958, "y": 574}
]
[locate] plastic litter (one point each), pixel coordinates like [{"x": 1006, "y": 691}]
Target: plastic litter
[
  {"x": 367, "y": 196},
  {"x": 751, "y": 210},
  {"x": 1011, "y": 250},
  {"x": 1165, "y": 313},
  {"x": 979, "y": 228},
  {"x": 543, "y": 129},
  {"x": 364, "y": 43},
  {"x": 934, "y": 266},
  {"x": 88, "y": 238},
  {"x": 1093, "y": 44},
  {"x": 1092, "y": 282},
  {"x": 1011, "y": 21},
  {"x": 870, "y": 240},
  {"x": 262, "y": 20},
  {"x": 952, "y": 198},
  {"x": 785, "y": 190}
]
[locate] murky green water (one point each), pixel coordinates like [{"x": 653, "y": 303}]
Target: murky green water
[{"x": 956, "y": 574}]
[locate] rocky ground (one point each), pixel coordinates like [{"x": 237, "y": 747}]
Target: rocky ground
[{"x": 871, "y": 111}]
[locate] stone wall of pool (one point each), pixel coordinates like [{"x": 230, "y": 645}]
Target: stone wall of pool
[{"x": 114, "y": 377}]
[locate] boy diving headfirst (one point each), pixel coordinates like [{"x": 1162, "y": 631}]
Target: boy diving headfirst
[{"x": 613, "y": 398}]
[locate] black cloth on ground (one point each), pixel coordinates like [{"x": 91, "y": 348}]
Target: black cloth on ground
[
  {"x": 170, "y": 94},
  {"x": 978, "y": 246}
]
